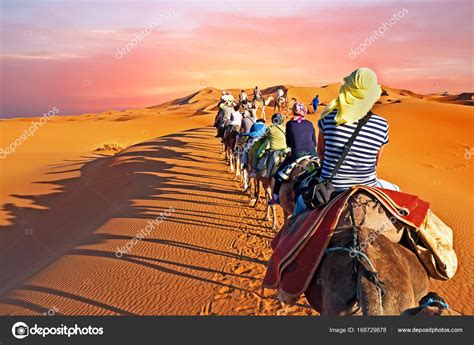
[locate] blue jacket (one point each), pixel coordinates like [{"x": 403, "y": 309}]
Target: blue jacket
[{"x": 257, "y": 130}]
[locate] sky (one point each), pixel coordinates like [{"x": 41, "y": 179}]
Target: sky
[{"x": 88, "y": 56}]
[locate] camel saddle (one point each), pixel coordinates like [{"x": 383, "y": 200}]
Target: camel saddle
[{"x": 300, "y": 245}]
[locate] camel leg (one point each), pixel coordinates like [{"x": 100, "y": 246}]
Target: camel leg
[
  {"x": 231, "y": 161},
  {"x": 267, "y": 190},
  {"x": 260, "y": 185},
  {"x": 267, "y": 212},
  {"x": 245, "y": 179},
  {"x": 234, "y": 166},
  {"x": 237, "y": 165},
  {"x": 271, "y": 214},
  {"x": 268, "y": 193},
  {"x": 256, "y": 187},
  {"x": 275, "y": 225},
  {"x": 251, "y": 188},
  {"x": 225, "y": 150},
  {"x": 257, "y": 191}
]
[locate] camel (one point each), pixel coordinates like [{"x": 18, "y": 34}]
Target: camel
[
  {"x": 240, "y": 149},
  {"x": 239, "y": 171},
  {"x": 384, "y": 278},
  {"x": 261, "y": 104},
  {"x": 286, "y": 191},
  {"x": 286, "y": 194},
  {"x": 250, "y": 175},
  {"x": 267, "y": 185},
  {"x": 229, "y": 143}
]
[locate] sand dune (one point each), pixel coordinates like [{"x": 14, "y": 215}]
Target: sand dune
[
  {"x": 66, "y": 207},
  {"x": 465, "y": 98}
]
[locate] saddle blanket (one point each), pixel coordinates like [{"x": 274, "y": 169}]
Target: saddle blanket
[
  {"x": 269, "y": 163},
  {"x": 300, "y": 245},
  {"x": 285, "y": 173}
]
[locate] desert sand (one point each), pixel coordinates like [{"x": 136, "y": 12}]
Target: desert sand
[{"x": 83, "y": 186}]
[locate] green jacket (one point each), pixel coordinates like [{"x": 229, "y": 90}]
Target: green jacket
[{"x": 276, "y": 137}]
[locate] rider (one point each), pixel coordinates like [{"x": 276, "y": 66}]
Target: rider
[
  {"x": 275, "y": 147},
  {"x": 257, "y": 95},
  {"x": 315, "y": 103},
  {"x": 236, "y": 117},
  {"x": 276, "y": 134},
  {"x": 248, "y": 119},
  {"x": 230, "y": 98},
  {"x": 226, "y": 106},
  {"x": 292, "y": 102},
  {"x": 252, "y": 108},
  {"x": 280, "y": 92},
  {"x": 257, "y": 131},
  {"x": 280, "y": 97},
  {"x": 301, "y": 139},
  {"x": 356, "y": 97},
  {"x": 242, "y": 97},
  {"x": 234, "y": 123},
  {"x": 224, "y": 96}
]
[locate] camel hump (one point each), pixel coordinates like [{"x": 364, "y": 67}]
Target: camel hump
[{"x": 426, "y": 235}]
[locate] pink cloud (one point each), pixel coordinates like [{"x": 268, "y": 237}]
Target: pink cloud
[{"x": 76, "y": 70}]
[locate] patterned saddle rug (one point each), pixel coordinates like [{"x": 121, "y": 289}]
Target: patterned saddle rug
[
  {"x": 300, "y": 245},
  {"x": 268, "y": 165}
]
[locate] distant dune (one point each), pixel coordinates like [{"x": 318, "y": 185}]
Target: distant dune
[{"x": 205, "y": 100}]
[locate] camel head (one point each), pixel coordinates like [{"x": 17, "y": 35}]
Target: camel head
[{"x": 268, "y": 100}]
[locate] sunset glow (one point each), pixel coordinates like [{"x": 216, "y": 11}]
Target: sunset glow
[{"x": 65, "y": 53}]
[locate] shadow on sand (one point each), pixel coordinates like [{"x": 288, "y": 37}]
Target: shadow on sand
[{"x": 106, "y": 187}]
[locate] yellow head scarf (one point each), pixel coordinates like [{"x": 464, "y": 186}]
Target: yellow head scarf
[{"x": 356, "y": 97}]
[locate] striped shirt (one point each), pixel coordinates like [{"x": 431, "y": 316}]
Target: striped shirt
[{"x": 360, "y": 163}]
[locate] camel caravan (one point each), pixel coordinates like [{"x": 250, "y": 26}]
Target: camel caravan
[{"x": 352, "y": 243}]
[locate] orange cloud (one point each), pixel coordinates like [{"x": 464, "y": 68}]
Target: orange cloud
[{"x": 77, "y": 70}]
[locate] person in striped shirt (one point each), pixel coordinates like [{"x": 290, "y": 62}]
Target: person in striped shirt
[
  {"x": 356, "y": 97},
  {"x": 359, "y": 166}
]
